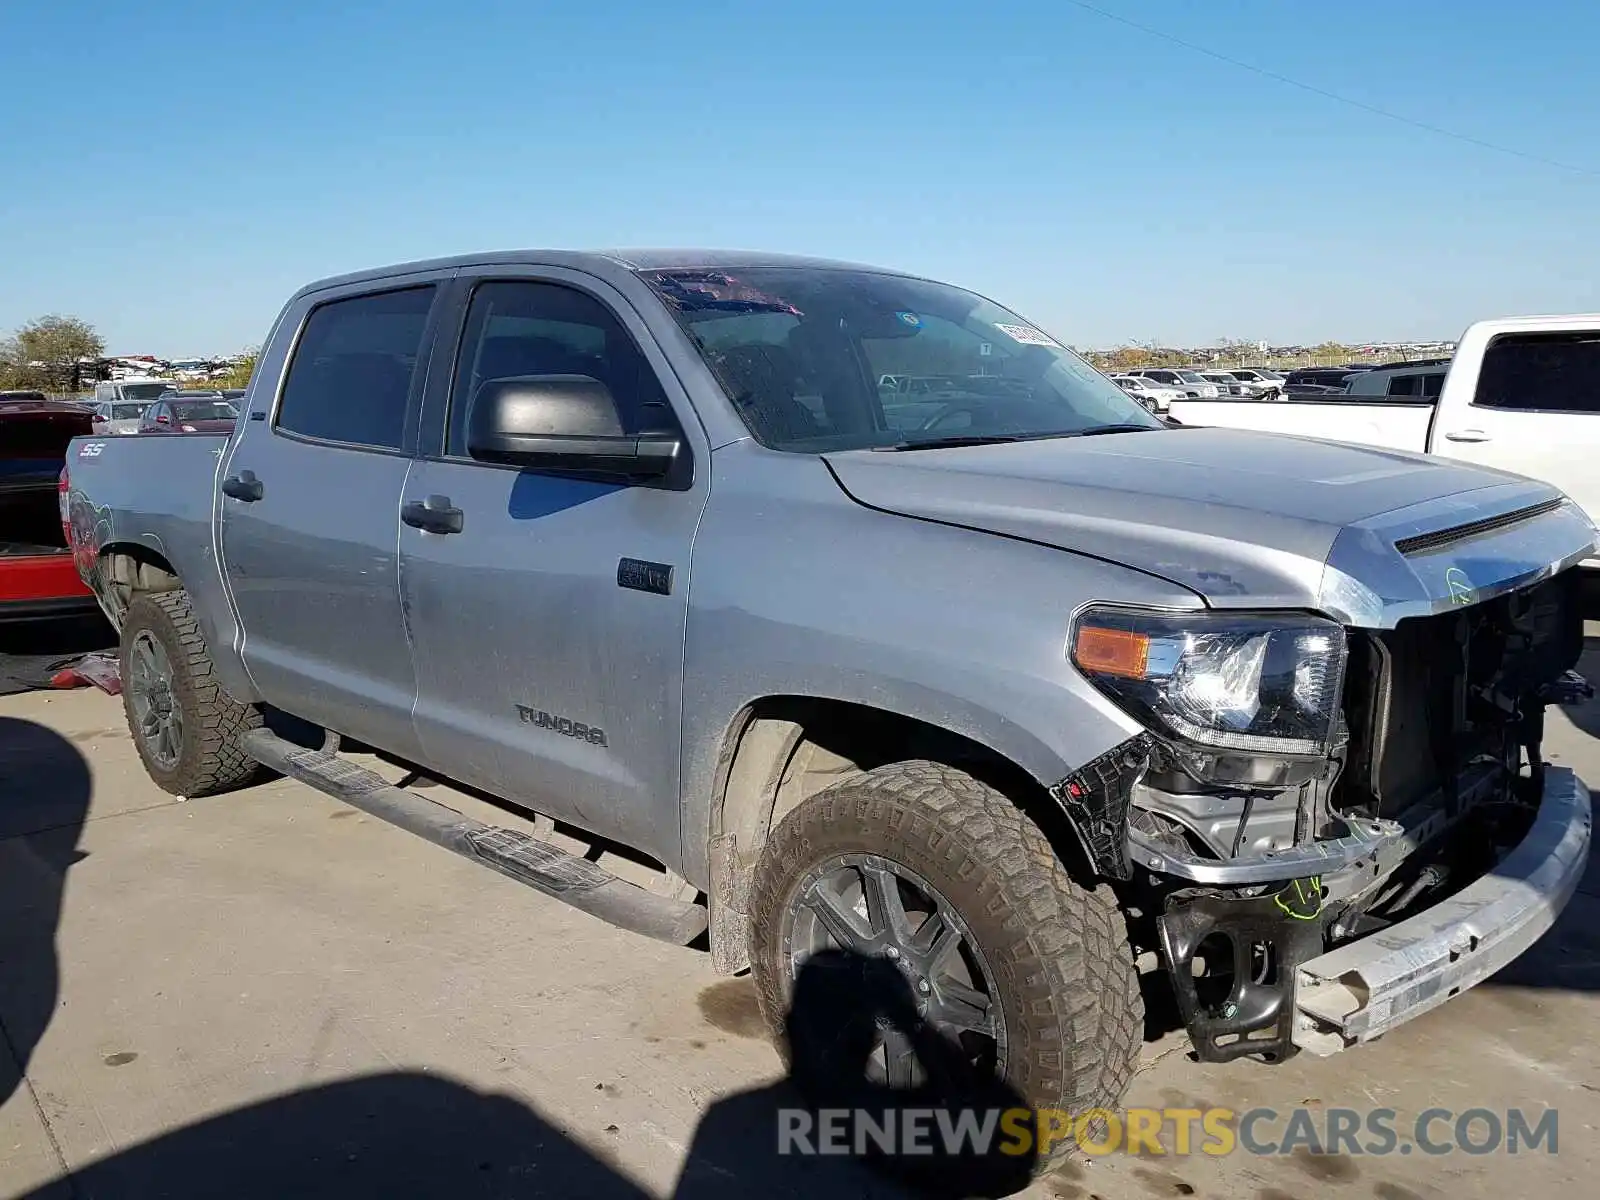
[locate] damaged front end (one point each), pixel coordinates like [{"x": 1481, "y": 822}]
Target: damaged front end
[{"x": 1311, "y": 801}]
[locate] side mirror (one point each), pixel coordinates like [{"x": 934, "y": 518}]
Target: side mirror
[{"x": 568, "y": 423}]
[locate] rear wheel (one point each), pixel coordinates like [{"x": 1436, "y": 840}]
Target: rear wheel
[
  {"x": 920, "y": 874},
  {"x": 184, "y": 725}
]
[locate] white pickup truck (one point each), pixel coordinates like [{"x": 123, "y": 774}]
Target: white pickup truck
[{"x": 1522, "y": 394}]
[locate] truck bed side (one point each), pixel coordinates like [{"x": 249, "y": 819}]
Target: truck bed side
[
  {"x": 153, "y": 498},
  {"x": 1389, "y": 425}
]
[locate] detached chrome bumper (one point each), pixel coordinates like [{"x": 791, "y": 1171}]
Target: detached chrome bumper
[{"x": 1366, "y": 988}]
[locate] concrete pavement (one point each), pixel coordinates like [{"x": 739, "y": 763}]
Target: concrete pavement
[{"x": 269, "y": 994}]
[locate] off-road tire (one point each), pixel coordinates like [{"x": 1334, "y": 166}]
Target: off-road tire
[
  {"x": 1058, "y": 949},
  {"x": 210, "y": 758}
]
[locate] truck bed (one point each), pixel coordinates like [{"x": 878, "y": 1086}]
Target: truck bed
[
  {"x": 1391, "y": 425},
  {"x": 37, "y": 576},
  {"x": 150, "y": 490}
]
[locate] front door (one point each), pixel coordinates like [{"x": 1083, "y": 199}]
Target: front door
[
  {"x": 311, "y": 494},
  {"x": 549, "y": 628}
]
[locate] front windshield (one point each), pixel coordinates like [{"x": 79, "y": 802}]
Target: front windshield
[
  {"x": 818, "y": 359},
  {"x": 1190, "y": 377}
]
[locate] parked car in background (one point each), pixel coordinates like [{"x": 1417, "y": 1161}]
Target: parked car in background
[
  {"x": 1271, "y": 377},
  {"x": 189, "y": 412},
  {"x": 1157, "y": 397},
  {"x": 1226, "y": 384},
  {"x": 130, "y": 391},
  {"x": 119, "y": 416},
  {"x": 1402, "y": 380},
  {"x": 23, "y": 396},
  {"x": 37, "y": 575},
  {"x": 1522, "y": 394},
  {"x": 1189, "y": 383},
  {"x": 1318, "y": 381},
  {"x": 1259, "y": 381}
]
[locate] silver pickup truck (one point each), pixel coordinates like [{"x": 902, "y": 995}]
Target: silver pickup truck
[{"x": 1006, "y": 686}]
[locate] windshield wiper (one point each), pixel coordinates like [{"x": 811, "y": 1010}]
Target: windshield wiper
[
  {"x": 1097, "y": 430},
  {"x": 954, "y": 439},
  {"x": 989, "y": 439}
]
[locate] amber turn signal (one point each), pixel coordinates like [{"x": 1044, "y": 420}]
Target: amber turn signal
[{"x": 1111, "y": 651}]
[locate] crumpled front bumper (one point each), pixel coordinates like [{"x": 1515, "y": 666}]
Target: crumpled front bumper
[{"x": 1369, "y": 986}]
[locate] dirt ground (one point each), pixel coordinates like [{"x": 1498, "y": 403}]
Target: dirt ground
[{"x": 270, "y": 994}]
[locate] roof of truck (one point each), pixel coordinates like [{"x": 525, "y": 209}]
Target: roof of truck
[{"x": 632, "y": 260}]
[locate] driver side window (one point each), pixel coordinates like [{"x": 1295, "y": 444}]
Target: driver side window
[{"x": 518, "y": 328}]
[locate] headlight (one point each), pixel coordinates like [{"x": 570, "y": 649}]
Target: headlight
[{"x": 1257, "y": 684}]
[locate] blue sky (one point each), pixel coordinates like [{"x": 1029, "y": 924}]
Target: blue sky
[{"x": 174, "y": 170}]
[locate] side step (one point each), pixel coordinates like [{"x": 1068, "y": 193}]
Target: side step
[{"x": 577, "y": 881}]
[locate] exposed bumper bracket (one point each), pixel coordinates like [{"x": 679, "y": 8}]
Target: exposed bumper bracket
[
  {"x": 1365, "y": 839},
  {"x": 1366, "y": 988}
]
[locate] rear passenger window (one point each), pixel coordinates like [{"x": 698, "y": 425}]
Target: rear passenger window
[
  {"x": 350, "y": 380},
  {"x": 518, "y": 328},
  {"x": 1432, "y": 385},
  {"x": 1550, "y": 372},
  {"x": 1403, "y": 385}
]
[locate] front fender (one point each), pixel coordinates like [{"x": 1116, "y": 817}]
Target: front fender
[{"x": 796, "y": 590}]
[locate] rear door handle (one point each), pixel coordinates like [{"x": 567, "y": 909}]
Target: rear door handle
[
  {"x": 1467, "y": 435},
  {"x": 433, "y": 515},
  {"x": 244, "y": 486}
]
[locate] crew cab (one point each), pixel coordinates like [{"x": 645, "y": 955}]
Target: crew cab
[
  {"x": 993, "y": 695},
  {"x": 1521, "y": 394}
]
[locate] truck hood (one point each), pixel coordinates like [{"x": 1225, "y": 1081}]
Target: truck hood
[{"x": 1248, "y": 520}]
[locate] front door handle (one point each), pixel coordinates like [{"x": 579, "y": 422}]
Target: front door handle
[
  {"x": 433, "y": 515},
  {"x": 1467, "y": 435},
  {"x": 244, "y": 486}
]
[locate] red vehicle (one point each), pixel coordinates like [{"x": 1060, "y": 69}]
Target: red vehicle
[
  {"x": 180, "y": 412},
  {"x": 37, "y": 575}
]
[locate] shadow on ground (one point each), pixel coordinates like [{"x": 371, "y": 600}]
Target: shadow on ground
[
  {"x": 411, "y": 1134},
  {"x": 1568, "y": 956},
  {"x": 1586, "y": 716},
  {"x": 44, "y": 797}
]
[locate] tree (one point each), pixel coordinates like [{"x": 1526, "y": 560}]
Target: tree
[
  {"x": 1127, "y": 358},
  {"x": 45, "y": 352},
  {"x": 239, "y": 372},
  {"x": 1237, "y": 349}
]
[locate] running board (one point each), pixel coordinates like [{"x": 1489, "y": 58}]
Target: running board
[{"x": 577, "y": 881}]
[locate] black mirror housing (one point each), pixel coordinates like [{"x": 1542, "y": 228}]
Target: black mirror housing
[{"x": 568, "y": 424}]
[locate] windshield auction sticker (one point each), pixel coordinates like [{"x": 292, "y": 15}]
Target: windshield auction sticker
[{"x": 1028, "y": 336}]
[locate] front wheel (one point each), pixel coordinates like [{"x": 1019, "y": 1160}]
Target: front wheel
[
  {"x": 186, "y": 728},
  {"x": 950, "y": 911}
]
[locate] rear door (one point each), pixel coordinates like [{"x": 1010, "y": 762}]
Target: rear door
[
  {"x": 309, "y": 510},
  {"x": 549, "y": 629},
  {"x": 1535, "y": 410}
]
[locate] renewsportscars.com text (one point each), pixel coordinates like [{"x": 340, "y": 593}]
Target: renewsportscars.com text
[{"x": 1160, "y": 1131}]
